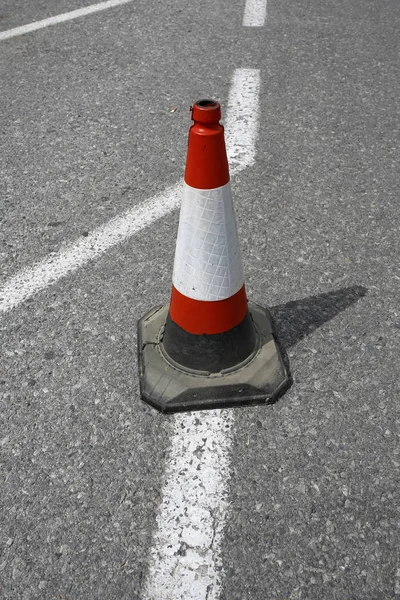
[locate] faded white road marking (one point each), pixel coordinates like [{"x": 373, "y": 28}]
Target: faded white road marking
[
  {"x": 255, "y": 13},
  {"x": 240, "y": 139},
  {"x": 185, "y": 559},
  {"x": 69, "y": 16},
  {"x": 397, "y": 582},
  {"x": 241, "y": 129}
]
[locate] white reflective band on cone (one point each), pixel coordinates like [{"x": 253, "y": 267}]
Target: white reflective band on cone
[{"x": 208, "y": 264}]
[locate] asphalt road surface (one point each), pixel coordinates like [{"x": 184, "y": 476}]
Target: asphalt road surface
[{"x": 305, "y": 493}]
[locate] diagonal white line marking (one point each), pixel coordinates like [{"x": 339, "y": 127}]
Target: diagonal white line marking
[
  {"x": 242, "y": 104},
  {"x": 29, "y": 281},
  {"x": 185, "y": 561},
  {"x": 69, "y": 16}
]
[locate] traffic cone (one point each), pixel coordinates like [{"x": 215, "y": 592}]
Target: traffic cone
[{"x": 209, "y": 348}]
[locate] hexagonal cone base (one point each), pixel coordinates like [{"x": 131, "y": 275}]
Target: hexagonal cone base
[{"x": 170, "y": 387}]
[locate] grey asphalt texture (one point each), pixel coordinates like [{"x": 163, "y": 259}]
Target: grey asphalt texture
[{"x": 86, "y": 132}]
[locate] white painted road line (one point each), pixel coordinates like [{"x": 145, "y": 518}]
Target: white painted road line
[
  {"x": 185, "y": 558},
  {"x": 255, "y": 13},
  {"x": 29, "y": 281},
  {"x": 185, "y": 561},
  {"x": 242, "y": 104},
  {"x": 69, "y": 16},
  {"x": 243, "y": 115}
]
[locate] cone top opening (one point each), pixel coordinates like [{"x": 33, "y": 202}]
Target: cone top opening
[{"x": 206, "y": 111}]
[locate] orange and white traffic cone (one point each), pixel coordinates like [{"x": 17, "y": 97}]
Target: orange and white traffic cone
[{"x": 208, "y": 348}]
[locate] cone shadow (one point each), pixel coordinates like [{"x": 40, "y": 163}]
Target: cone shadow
[
  {"x": 299, "y": 318},
  {"x": 264, "y": 378}
]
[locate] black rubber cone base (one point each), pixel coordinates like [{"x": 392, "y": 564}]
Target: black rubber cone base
[{"x": 170, "y": 387}]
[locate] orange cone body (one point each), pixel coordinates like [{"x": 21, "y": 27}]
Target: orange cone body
[
  {"x": 208, "y": 265},
  {"x": 208, "y": 293},
  {"x": 207, "y": 349}
]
